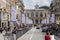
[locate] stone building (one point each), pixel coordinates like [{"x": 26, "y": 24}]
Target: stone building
[
  {"x": 5, "y": 11},
  {"x": 37, "y": 14},
  {"x": 55, "y": 9}
]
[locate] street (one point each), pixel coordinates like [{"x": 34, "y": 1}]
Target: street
[{"x": 34, "y": 34}]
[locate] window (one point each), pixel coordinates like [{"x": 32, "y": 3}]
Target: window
[
  {"x": 51, "y": 15},
  {"x": 32, "y": 14},
  {"x": 25, "y": 14},
  {"x": 4, "y": 15},
  {"x": 36, "y": 21},
  {"x": 45, "y": 15},
  {"x": 41, "y": 14},
  {"x": 36, "y": 14},
  {"x": 8, "y": 23},
  {"x": 28, "y": 14},
  {"x": 59, "y": 18}
]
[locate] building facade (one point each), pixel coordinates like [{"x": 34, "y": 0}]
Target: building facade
[
  {"x": 55, "y": 9},
  {"x": 37, "y": 15},
  {"x": 5, "y": 11}
]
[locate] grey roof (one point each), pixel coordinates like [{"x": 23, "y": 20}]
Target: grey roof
[{"x": 44, "y": 7}]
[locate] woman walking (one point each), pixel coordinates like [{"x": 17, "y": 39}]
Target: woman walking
[{"x": 52, "y": 36}]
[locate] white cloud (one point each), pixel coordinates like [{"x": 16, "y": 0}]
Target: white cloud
[
  {"x": 42, "y": 2},
  {"x": 30, "y": 3}
]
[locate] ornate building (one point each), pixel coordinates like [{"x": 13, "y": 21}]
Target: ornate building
[
  {"x": 55, "y": 9},
  {"x": 37, "y": 14},
  {"x": 5, "y": 11}
]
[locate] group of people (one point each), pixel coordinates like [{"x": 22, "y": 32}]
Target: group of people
[
  {"x": 49, "y": 36},
  {"x": 4, "y": 29}
]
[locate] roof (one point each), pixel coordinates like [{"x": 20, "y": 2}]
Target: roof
[{"x": 44, "y": 7}]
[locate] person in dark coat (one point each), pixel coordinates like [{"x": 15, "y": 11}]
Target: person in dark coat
[{"x": 47, "y": 36}]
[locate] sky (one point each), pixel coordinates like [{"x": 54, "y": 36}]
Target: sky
[{"x": 29, "y": 4}]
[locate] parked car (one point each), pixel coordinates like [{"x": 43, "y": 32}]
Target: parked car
[{"x": 44, "y": 29}]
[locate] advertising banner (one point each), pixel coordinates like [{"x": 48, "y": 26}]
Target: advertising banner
[
  {"x": 13, "y": 13},
  {"x": 52, "y": 18}
]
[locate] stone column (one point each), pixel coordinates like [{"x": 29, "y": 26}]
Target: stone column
[
  {"x": 38, "y": 21},
  {"x": 34, "y": 21}
]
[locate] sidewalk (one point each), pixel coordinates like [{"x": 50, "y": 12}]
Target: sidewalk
[
  {"x": 33, "y": 34},
  {"x": 57, "y": 38}
]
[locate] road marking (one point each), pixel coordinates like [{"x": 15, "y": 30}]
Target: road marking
[{"x": 32, "y": 34}]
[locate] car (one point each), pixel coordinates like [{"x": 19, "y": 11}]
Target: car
[
  {"x": 37, "y": 28},
  {"x": 44, "y": 29}
]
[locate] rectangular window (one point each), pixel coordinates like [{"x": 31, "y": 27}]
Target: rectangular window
[
  {"x": 36, "y": 14},
  {"x": 59, "y": 18},
  {"x": 4, "y": 15},
  {"x": 41, "y": 15},
  {"x": 45, "y": 15},
  {"x": 32, "y": 14},
  {"x": 28, "y": 14},
  {"x": 8, "y": 23}
]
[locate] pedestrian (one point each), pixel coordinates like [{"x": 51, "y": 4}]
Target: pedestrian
[
  {"x": 52, "y": 36},
  {"x": 1, "y": 29},
  {"x": 47, "y": 36},
  {"x": 14, "y": 33}
]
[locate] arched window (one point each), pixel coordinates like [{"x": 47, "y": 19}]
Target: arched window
[{"x": 36, "y": 21}]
